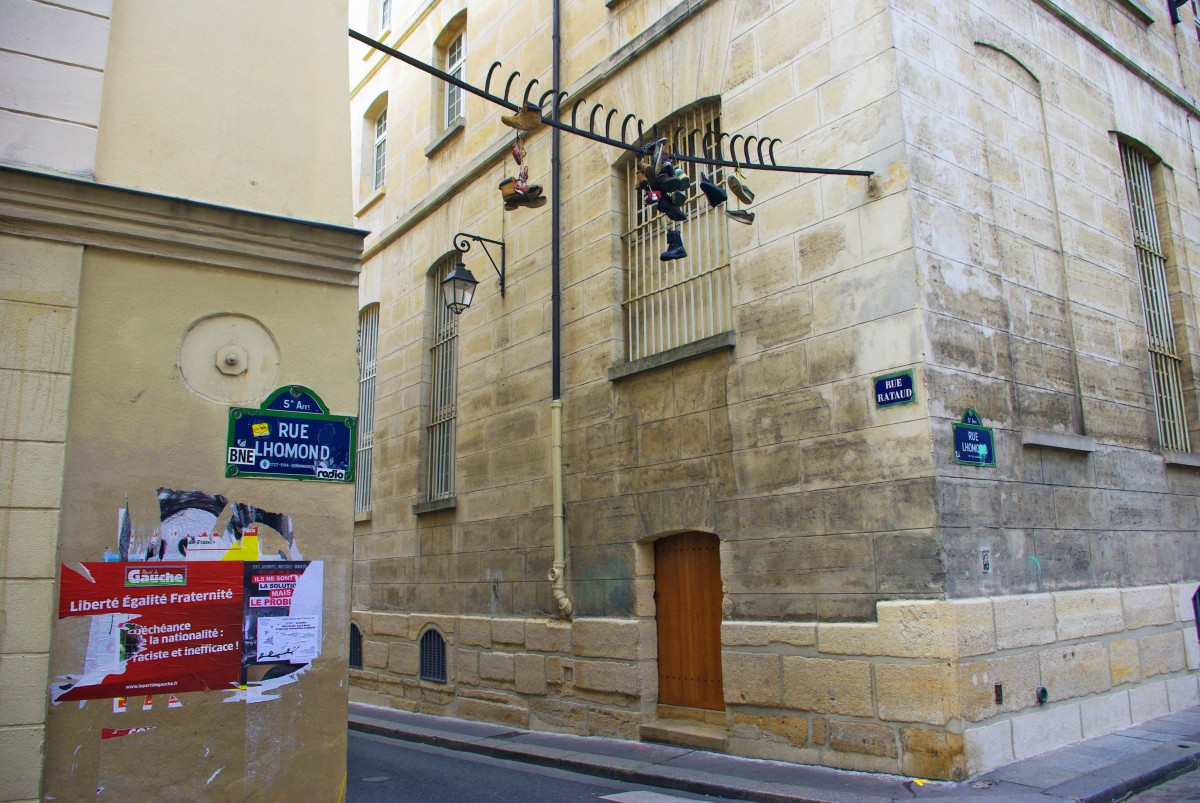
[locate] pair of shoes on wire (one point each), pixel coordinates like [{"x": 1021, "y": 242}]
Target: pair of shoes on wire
[
  {"x": 518, "y": 192},
  {"x": 741, "y": 190}
]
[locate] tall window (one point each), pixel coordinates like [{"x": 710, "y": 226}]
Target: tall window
[
  {"x": 368, "y": 350},
  {"x": 385, "y": 14},
  {"x": 456, "y": 55},
  {"x": 670, "y": 304},
  {"x": 380, "y": 150},
  {"x": 1165, "y": 364},
  {"x": 443, "y": 395}
]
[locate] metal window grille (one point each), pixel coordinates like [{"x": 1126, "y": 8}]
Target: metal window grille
[
  {"x": 443, "y": 395},
  {"x": 355, "y": 647},
  {"x": 456, "y": 56},
  {"x": 385, "y": 14},
  {"x": 670, "y": 304},
  {"x": 433, "y": 656},
  {"x": 380, "y": 148},
  {"x": 1165, "y": 363},
  {"x": 368, "y": 350}
]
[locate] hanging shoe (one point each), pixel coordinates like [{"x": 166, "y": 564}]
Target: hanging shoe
[
  {"x": 671, "y": 210},
  {"x": 715, "y": 195},
  {"x": 675, "y": 248},
  {"x": 528, "y": 119},
  {"x": 683, "y": 178},
  {"x": 516, "y": 188},
  {"x": 667, "y": 181},
  {"x": 518, "y": 151},
  {"x": 740, "y": 215},
  {"x": 522, "y": 199},
  {"x": 679, "y": 198},
  {"x": 739, "y": 188},
  {"x": 650, "y": 197}
]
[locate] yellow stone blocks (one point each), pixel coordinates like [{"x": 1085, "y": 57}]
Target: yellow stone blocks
[{"x": 828, "y": 686}]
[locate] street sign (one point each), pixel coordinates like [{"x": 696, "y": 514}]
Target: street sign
[
  {"x": 973, "y": 442},
  {"x": 291, "y": 437},
  {"x": 893, "y": 390}
]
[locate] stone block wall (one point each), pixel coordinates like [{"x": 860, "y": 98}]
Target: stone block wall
[
  {"x": 590, "y": 676},
  {"x": 39, "y": 299},
  {"x": 934, "y": 688},
  {"x": 1032, "y": 305},
  {"x": 944, "y": 689}
]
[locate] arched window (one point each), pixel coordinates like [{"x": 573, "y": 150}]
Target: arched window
[
  {"x": 380, "y": 148},
  {"x": 443, "y": 390},
  {"x": 373, "y": 173},
  {"x": 433, "y": 656},
  {"x": 1156, "y": 272},
  {"x": 450, "y": 56},
  {"x": 356, "y": 661},
  {"x": 368, "y": 353}
]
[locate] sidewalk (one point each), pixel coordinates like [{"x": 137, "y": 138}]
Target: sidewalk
[{"x": 1102, "y": 769}]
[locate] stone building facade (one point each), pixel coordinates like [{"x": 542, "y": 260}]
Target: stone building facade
[
  {"x": 148, "y": 191},
  {"x": 1022, "y": 250}
]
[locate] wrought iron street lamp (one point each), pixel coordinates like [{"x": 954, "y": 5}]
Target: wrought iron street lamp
[{"x": 458, "y": 288}]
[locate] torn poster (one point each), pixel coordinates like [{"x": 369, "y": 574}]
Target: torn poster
[
  {"x": 192, "y": 626},
  {"x": 282, "y": 618},
  {"x": 190, "y": 529},
  {"x": 115, "y": 733},
  {"x": 155, "y": 628}
]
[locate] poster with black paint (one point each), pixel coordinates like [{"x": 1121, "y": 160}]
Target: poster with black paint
[{"x": 281, "y": 618}]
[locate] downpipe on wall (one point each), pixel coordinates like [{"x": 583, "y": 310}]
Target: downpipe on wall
[{"x": 559, "y": 567}]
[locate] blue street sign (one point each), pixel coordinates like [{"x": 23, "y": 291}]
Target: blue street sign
[
  {"x": 275, "y": 442},
  {"x": 973, "y": 442},
  {"x": 892, "y": 390}
]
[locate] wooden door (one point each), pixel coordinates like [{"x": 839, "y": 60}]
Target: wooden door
[{"x": 687, "y": 580}]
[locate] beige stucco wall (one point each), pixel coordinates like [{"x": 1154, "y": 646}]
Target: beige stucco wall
[
  {"x": 135, "y": 426},
  {"x": 245, "y": 110},
  {"x": 52, "y": 60}
]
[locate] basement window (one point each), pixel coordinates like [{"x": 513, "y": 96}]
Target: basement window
[{"x": 433, "y": 656}]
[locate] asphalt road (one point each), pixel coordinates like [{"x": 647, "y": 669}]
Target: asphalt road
[
  {"x": 1185, "y": 787},
  {"x": 392, "y": 770}
]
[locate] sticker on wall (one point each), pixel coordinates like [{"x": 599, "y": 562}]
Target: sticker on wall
[
  {"x": 119, "y": 705},
  {"x": 973, "y": 442},
  {"x": 894, "y": 390},
  {"x": 290, "y": 436},
  {"x": 114, "y": 733}
]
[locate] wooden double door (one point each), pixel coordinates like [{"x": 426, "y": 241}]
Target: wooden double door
[{"x": 687, "y": 582}]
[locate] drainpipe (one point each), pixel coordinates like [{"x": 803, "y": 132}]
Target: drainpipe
[{"x": 558, "y": 568}]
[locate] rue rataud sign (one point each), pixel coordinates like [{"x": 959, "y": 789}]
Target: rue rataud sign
[{"x": 291, "y": 436}]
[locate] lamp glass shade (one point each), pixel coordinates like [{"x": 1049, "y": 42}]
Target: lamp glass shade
[{"x": 458, "y": 288}]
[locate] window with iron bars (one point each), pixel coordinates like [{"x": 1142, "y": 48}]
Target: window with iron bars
[
  {"x": 443, "y": 392},
  {"x": 671, "y": 304},
  {"x": 433, "y": 656},
  {"x": 1165, "y": 363},
  {"x": 368, "y": 350}
]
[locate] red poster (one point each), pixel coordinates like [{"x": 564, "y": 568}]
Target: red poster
[{"x": 156, "y": 628}]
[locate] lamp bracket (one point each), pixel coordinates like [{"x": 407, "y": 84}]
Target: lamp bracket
[{"x": 462, "y": 244}]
